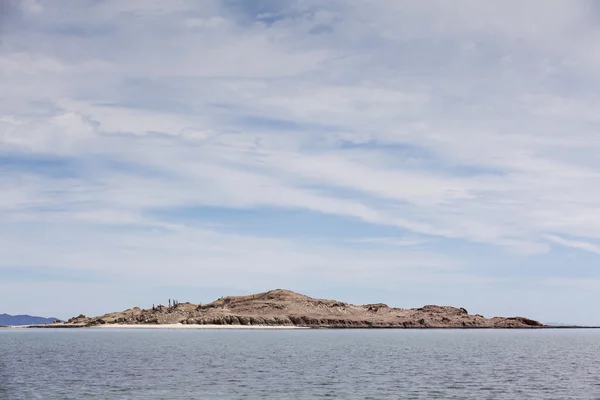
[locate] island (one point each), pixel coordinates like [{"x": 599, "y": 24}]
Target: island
[{"x": 284, "y": 308}]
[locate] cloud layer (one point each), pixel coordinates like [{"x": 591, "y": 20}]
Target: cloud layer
[{"x": 353, "y": 148}]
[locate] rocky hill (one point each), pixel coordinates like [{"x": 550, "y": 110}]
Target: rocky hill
[{"x": 286, "y": 308}]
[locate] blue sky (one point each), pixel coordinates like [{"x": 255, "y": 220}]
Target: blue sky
[{"x": 397, "y": 151}]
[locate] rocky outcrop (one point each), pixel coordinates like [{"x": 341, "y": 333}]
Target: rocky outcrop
[{"x": 286, "y": 308}]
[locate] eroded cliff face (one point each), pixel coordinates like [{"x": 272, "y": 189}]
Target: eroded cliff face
[{"x": 286, "y": 308}]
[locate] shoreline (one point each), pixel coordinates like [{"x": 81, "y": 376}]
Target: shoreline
[
  {"x": 161, "y": 326},
  {"x": 180, "y": 326},
  {"x": 191, "y": 326}
]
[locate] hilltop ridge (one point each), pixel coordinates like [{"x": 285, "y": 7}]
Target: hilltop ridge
[{"x": 281, "y": 307}]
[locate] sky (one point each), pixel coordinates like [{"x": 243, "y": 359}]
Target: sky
[{"x": 389, "y": 151}]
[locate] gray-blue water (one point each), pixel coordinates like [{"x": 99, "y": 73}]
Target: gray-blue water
[{"x": 299, "y": 364}]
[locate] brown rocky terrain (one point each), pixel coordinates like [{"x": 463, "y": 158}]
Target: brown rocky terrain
[{"x": 286, "y": 308}]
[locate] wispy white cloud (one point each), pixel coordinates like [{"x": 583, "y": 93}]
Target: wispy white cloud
[
  {"x": 465, "y": 123},
  {"x": 407, "y": 241},
  {"x": 574, "y": 243}
]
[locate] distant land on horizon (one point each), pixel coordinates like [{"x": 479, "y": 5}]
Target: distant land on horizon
[
  {"x": 17, "y": 320},
  {"x": 558, "y": 324}
]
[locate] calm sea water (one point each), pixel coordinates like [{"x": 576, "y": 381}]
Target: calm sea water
[{"x": 299, "y": 364}]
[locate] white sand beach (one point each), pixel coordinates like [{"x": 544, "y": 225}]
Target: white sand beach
[
  {"x": 191, "y": 326},
  {"x": 162, "y": 326}
]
